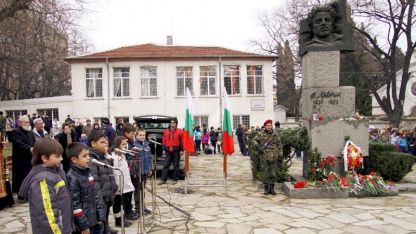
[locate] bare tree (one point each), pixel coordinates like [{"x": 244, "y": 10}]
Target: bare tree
[
  {"x": 33, "y": 45},
  {"x": 388, "y": 27},
  {"x": 281, "y": 27}
]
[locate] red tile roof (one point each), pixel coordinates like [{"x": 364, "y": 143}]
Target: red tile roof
[{"x": 152, "y": 51}]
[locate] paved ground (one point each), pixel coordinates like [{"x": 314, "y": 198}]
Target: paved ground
[{"x": 243, "y": 209}]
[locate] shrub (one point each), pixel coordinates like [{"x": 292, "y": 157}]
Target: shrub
[
  {"x": 373, "y": 148},
  {"x": 390, "y": 165}
]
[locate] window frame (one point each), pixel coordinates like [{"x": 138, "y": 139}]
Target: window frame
[
  {"x": 255, "y": 76},
  {"x": 148, "y": 78},
  {"x": 208, "y": 77},
  {"x": 198, "y": 120},
  {"x": 94, "y": 82},
  {"x": 15, "y": 113},
  {"x": 123, "y": 80},
  {"x": 185, "y": 78},
  {"x": 233, "y": 78},
  {"x": 241, "y": 119},
  {"x": 54, "y": 113}
]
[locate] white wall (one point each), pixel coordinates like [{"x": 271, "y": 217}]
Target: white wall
[
  {"x": 166, "y": 103},
  {"x": 63, "y": 103},
  {"x": 410, "y": 98}
]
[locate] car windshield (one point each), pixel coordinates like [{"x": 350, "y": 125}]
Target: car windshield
[{"x": 154, "y": 125}]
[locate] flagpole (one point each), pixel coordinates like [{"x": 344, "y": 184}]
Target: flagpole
[
  {"x": 186, "y": 171},
  {"x": 225, "y": 171}
]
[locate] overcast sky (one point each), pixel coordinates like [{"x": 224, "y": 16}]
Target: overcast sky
[{"x": 226, "y": 23}]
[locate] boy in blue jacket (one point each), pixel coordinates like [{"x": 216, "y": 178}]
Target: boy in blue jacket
[
  {"x": 145, "y": 159},
  {"x": 46, "y": 189},
  {"x": 88, "y": 207}
]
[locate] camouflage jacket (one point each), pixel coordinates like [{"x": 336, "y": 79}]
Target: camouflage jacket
[{"x": 269, "y": 143}]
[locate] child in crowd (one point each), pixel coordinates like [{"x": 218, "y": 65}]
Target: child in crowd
[
  {"x": 87, "y": 203},
  {"x": 83, "y": 139},
  {"x": 129, "y": 133},
  {"x": 145, "y": 159},
  {"x": 46, "y": 189},
  {"x": 104, "y": 176},
  {"x": 125, "y": 187}
]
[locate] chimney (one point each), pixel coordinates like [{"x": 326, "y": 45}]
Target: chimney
[{"x": 169, "y": 40}]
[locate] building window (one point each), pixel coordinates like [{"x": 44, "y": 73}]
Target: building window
[
  {"x": 121, "y": 76},
  {"x": 183, "y": 80},
  {"x": 148, "y": 80},
  {"x": 94, "y": 82},
  {"x": 51, "y": 113},
  {"x": 254, "y": 80},
  {"x": 232, "y": 79},
  {"x": 200, "y": 120},
  {"x": 15, "y": 114},
  {"x": 207, "y": 80},
  {"x": 241, "y": 119}
]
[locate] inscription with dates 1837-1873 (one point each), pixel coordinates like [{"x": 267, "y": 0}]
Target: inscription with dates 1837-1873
[{"x": 323, "y": 97}]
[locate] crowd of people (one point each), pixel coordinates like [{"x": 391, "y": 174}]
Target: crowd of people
[
  {"x": 403, "y": 139},
  {"x": 59, "y": 169},
  {"x": 60, "y": 174}
]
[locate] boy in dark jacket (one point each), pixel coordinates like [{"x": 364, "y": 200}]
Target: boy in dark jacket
[
  {"x": 87, "y": 203},
  {"x": 45, "y": 187},
  {"x": 104, "y": 176}
]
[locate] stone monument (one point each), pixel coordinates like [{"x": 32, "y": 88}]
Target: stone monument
[{"x": 327, "y": 108}]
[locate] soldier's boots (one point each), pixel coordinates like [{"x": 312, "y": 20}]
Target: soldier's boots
[
  {"x": 271, "y": 189},
  {"x": 266, "y": 189}
]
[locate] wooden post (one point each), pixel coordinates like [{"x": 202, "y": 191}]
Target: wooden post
[
  {"x": 225, "y": 166},
  {"x": 186, "y": 164},
  {"x": 186, "y": 172}
]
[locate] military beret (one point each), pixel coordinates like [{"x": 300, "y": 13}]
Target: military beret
[{"x": 269, "y": 121}]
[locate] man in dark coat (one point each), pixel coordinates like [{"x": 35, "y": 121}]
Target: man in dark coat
[{"x": 22, "y": 139}]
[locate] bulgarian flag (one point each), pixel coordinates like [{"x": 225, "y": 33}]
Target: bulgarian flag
[
  {"x": 188, "y": 137},
  {"x": 227, "y": 136}
]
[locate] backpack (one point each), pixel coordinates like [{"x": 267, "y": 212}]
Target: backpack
[{"x": 208, "y": 150}]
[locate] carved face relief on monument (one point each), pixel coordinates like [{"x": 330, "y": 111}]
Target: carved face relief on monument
[
  {"x": 326, "y": 28},
  {"x": 322, "y": 25}
]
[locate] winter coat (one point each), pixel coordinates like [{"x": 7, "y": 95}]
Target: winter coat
[
  {"x": 104, "y": 176},
  {"x": 145, "y": 156},
  {"x": 87, "y": 129},
  {"x": 63, "y": 140},
  {"x": 172, "y": 140},
  {"x": 213, "y": 135},
  {"x": 205, "y": 138},
  {"x": 38, "y": 136},
  {"x": 110, "y": 133},
  {"x": 22, "y": 141},
  {"x": 50, "y": 203},
  {"x": 120, "y": 162},
  {"x": 197, "y": 135},
  {"x": 87, "y": 203}
]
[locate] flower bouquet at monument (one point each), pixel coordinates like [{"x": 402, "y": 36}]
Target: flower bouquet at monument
[
  {"x": 352, "y": 156},
  {"x": 371, "y": 184}
]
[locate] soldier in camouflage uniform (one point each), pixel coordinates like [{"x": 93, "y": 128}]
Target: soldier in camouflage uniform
[
  {"x": 269, "y": 147},
  {"x": 252, "y": 153}
]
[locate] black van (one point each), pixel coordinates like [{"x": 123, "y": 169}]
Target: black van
[{"x": 155, "y": 125}]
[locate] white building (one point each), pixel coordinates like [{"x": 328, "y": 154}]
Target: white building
[
  {"x": 150, "y": 79},
  {"x": 409, "y": 105}
]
